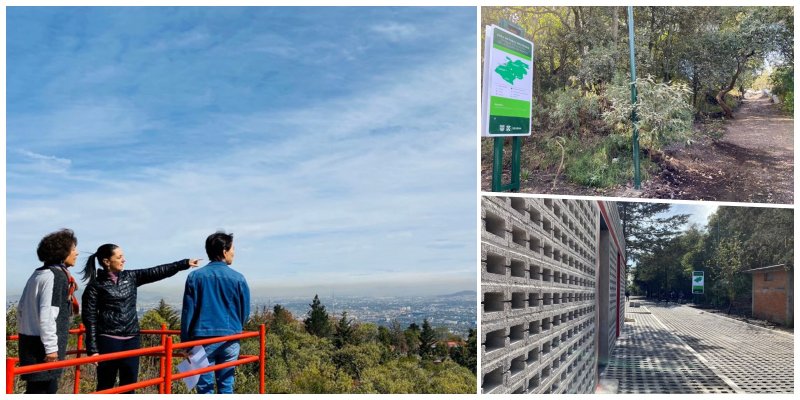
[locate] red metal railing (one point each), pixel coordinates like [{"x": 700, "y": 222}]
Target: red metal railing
[{"x": 164, "y": 352}]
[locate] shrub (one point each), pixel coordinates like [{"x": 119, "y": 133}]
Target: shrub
[
  {"x": 569, "y": 109},
  {"x": 664, "y": 112},
  {"x": 788, "y": 102},
  {"x": 782, "y": 80}
]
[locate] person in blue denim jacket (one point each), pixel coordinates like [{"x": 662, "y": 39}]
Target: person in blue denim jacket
[{"x": 216, "y": 302}]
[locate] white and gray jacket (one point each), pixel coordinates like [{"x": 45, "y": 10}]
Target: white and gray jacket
[
  {"x": 37, "y": 310},
  {"x": 43, "y": 317}
]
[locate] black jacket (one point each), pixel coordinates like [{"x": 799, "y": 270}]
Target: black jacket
[{"x": 110, "y": 308}]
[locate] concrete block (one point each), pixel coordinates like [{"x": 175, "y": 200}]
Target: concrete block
[{"x": 538, "y": 278}]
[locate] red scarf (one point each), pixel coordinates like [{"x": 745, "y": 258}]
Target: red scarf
[{"x": 73, "y": 286}]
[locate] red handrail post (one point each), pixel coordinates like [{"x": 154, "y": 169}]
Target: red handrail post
[
  {"x": 168, "y": 363},
  {"x": 10, "y": 364},
  {"x": 77, "y": 385},
  {"x": 161, "y": 368},
  {"x": 262, "y": 342}
]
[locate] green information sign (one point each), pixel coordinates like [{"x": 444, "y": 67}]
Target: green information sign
[
  {"x": 507, "y": 84},
  {"x": 698, "y": 282}
]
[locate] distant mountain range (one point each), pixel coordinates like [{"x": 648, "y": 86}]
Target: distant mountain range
[{"x": 461, "y": 293}]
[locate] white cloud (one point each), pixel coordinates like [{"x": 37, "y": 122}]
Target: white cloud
[
  {"x": 196, "y": 37},
  {"x": 396, "y": 32},
  {"x": 39, "y": 163},
  {"x": 325, "y": 200},
  {"x": 92, "y": 122}
]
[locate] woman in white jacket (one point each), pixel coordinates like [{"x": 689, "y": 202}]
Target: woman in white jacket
[{"x": 45, "y": 308}]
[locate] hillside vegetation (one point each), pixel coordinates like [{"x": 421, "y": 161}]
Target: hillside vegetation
[{"x": 319, "y": 354}]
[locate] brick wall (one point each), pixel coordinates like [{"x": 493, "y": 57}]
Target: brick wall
[{"x": 770, "y": 297}]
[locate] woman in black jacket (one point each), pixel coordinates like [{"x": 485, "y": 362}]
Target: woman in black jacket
[{"x": 109, "y": 310}]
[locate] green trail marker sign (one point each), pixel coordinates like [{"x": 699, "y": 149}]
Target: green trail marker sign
[
  {"x": 507, "y": 84},
  {"x": 698, "y": 281}
]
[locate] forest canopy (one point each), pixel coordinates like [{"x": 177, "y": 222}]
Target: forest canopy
[{"x": 734, "y": 240}]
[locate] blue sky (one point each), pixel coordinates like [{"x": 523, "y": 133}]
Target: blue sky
[
  {"x": 337, "y": 144},
  {"x": 698, "y": 213}
]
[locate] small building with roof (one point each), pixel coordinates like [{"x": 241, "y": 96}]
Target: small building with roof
[{"x": 773, "y": 293}]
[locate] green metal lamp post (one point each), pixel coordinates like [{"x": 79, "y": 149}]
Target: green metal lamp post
[{"x": 634, "y": 98}]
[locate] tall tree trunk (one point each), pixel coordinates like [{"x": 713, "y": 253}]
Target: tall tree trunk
[
  {"x": 721, "y": 94},
  {"x": 579, "y": 29},
  {"x": 652, "y": 39}
]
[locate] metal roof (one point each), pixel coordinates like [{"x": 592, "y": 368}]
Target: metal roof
[{"x": 781, "y": 267}]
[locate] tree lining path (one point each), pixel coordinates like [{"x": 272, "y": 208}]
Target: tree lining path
[{"x": 752, "y": 162}]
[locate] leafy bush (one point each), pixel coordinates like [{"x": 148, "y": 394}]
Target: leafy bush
[
  {"x": 569, "y": 109},
  {"x": 788, "y": 102},
  {"x": 782, "y": 81},
  {"x": 598, "y": 65},
  {"x": 663, "y": 110}
]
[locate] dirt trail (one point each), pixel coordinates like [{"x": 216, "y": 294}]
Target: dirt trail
[{"x": 753, "y": 162}]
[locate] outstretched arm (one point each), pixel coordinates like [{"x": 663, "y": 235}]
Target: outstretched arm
[{"x": 150, "y": 275}]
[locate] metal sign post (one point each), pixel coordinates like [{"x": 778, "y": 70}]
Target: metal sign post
[
  {"x": 634, "y": 98},
  {"x": 507, "y": 96}
]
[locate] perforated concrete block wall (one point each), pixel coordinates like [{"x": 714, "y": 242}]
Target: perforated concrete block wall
[
  {"x": 617, "y": 275},
  {"x": 538, "y": 294}
]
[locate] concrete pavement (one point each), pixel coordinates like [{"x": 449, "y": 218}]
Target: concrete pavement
[{"x": 679, "y": 349}]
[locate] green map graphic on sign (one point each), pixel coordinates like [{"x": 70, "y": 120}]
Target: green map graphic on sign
[
  {"x": 512, "y": 70},
  {"x": 698, "y": 279}
]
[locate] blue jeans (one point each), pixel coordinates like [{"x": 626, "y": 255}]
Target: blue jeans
[{"x": 219, "y": 353}]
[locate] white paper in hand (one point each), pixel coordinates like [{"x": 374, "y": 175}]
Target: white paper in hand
[
  {"x": 197, "y": 359},
  {"x": 190, "y": 381}
]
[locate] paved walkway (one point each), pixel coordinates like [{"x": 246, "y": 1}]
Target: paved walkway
[{"x": 679, "y": 349}]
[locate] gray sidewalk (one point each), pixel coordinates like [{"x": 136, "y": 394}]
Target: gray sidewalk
[
  {"x": 755, "y": 359},
  {"x": 678, "y": 349}
]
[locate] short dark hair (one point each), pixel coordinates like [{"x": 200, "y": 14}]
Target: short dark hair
[
  {"x": 217, "y": 243},
  {"x": 56, "y": 246}
]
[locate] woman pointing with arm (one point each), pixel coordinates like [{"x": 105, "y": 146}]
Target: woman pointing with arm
[{"x": 109, "y": 310}]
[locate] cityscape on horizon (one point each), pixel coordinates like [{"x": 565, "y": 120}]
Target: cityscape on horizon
[{"x": 455, "y": 311}]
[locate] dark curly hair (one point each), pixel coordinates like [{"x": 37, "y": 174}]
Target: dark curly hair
[{"x": 55, "y": 247}]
